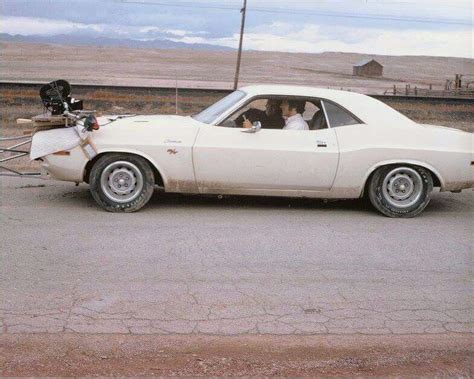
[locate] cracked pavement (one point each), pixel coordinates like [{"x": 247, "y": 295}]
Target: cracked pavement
[{"x": 240, "y": 265}]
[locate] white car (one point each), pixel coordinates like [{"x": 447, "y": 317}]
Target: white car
[{"x": 356, "y": 146}]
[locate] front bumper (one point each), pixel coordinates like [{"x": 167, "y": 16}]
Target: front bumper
[{"x": 66, "y": 167}]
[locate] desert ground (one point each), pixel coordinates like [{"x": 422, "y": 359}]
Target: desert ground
[
  {"x": 155, "y": 68},
  {"x": 211, "y": 70}
]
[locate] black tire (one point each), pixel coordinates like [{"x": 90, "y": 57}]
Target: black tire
[
  {"x": 133, "y": 170},
  {"x": 384, "y": 190}
]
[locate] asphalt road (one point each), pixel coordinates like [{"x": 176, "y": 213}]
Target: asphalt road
[{"x": 239, "y": 265}]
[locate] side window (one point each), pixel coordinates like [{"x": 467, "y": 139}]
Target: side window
[
  {"x": 338, "y": 116},
  {"x": 265, "y": 110},
  {"x": 253, "y": 111},
  {"x": 317, "y": 120}
]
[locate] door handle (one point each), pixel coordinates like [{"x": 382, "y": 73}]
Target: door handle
[{"x": 321, "y": 144}]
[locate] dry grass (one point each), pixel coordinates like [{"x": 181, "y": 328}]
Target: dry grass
[
  {"x": 19, "y": 102},
  {"x": 455, "y": 115}
]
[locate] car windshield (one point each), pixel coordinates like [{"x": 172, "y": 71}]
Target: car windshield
[{"x": 215, "y": 110}]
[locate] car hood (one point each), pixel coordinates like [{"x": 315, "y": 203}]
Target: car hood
[{"x": 152, "y": 120}]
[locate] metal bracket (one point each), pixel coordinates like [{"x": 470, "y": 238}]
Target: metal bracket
[{"x": 18, "y": 154}]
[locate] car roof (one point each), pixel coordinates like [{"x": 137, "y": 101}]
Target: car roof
[
  {"x": 283, "y": 89},
  {"x": 367, "y": 108}
]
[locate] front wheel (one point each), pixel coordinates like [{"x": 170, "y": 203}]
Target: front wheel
[
  {"x": 121, "y": 182},
  {"x": 400, "y": 191}
]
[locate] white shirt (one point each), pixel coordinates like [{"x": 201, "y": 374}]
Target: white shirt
[{"x": 296, "y": 122}]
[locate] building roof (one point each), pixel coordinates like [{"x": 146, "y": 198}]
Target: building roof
[{"x": 366, "y": 61}]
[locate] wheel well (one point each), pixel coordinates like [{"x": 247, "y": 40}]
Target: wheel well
[
  {"x": 436, "y": 181},
  {"x": 88, "y": 168}
]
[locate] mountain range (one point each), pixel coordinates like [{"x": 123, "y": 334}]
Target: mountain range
[{"x": 68, "y": 39}]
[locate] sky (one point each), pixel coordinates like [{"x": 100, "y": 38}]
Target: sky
[{"x": 389, "y": 27}]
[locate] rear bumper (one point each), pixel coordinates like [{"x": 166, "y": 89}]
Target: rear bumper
[
  {"x": 464, "y": 179},
  {"x": 458, "y": 186}
]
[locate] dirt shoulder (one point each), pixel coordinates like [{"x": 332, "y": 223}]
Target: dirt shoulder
[{"x": 149, "y": 355}]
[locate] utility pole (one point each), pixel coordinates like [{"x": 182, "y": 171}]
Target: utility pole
[
  {"x": 176, "y": 93},
  {"x": 239, "y": 54}
]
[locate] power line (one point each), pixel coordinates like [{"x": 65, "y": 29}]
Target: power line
[
  {"x": 308, "y": 13},
  {"x": 405, "y": 2},
  {"x": 178, "y": 5}
]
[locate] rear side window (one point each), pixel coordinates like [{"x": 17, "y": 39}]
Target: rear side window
[{"x": 338, "y": 116}]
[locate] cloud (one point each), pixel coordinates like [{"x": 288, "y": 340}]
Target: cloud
[
  {"x": 44, "y": 27},
  {"x": 27, "y": 26},
  {"x": 312, "y": 38},
  {"x": 275, "y": 36},
  {"x": 155, "y": 29}
]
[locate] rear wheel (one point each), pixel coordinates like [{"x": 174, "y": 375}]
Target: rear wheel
[
  {"x": 400, "y": 191},
  {"x": 121, "y": 182}
]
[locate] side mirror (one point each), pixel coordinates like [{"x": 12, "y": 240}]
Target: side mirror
[{"x": 257, "y": 125}]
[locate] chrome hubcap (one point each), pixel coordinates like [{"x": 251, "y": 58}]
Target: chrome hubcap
[
  {"x": 402, "y": 187},
  {"x": 121, "y": 181}
]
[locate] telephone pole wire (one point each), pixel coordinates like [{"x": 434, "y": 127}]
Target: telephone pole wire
[{"x": 239, "y": 54}]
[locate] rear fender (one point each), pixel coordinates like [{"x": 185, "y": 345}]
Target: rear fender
[{"x": 413, "y": 162}]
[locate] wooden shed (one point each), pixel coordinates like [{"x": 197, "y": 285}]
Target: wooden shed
[{"x": 368, "y": 67}]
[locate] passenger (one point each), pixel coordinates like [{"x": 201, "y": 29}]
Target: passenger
[
  {"x": 292, "y": 110},
  {"x": 271, "y": 118}
]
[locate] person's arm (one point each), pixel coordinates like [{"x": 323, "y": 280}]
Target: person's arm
[
  {"x": 251, "y": 115},
  {"x": 246, "y": 124}
]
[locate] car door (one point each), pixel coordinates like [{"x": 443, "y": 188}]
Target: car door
[
  {"x": 229, "y": 160},
  {"x": 357, "y": 151}
]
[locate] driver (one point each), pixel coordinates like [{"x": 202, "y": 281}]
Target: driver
[{"x": 271, "y": 118}]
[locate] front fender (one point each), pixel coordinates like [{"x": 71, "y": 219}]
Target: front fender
[
  {"x": 139, "y": 153},
  {"x": 175, "y": 174}
]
